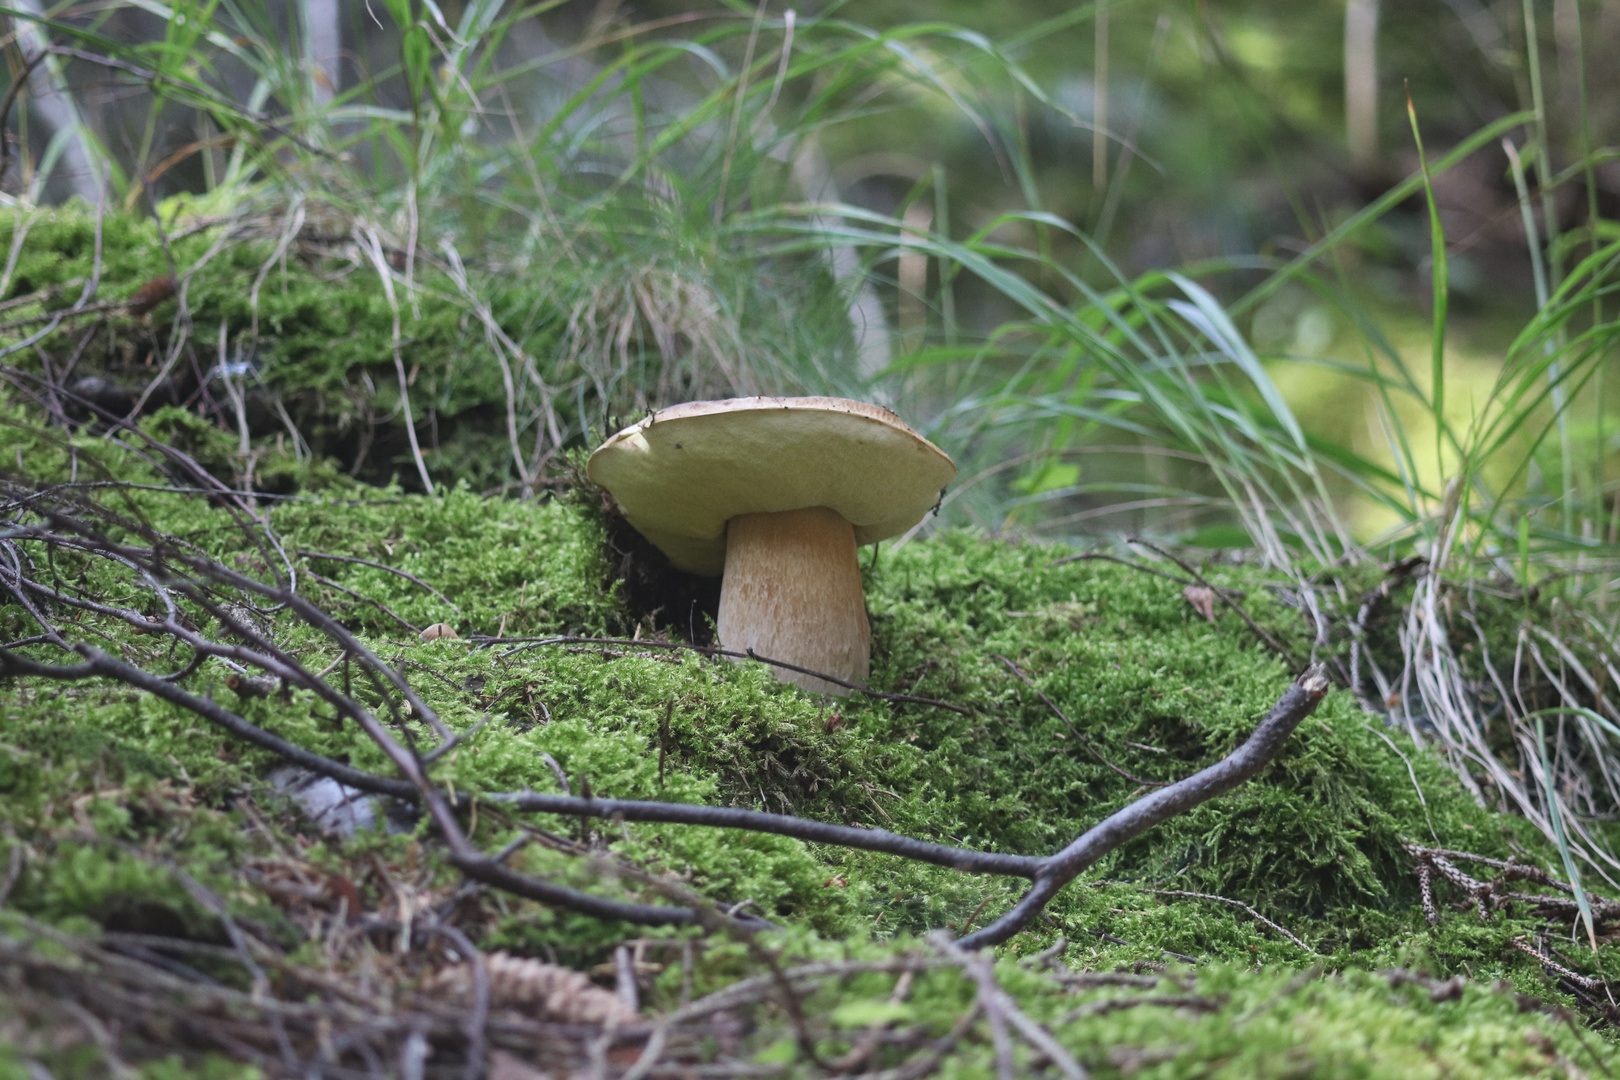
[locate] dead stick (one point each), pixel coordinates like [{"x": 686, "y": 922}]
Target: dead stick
[
  {"x": 382, "y": 566},
  {"x": 1235, "y": 903},
  {"x": 1049, "y": 874},
  {"x": 1063, "y": 716},
  {"x": 478, "y": 1016},
  {"x": 1259, "y": 631},
  {"x": 1298, "y": 702}
]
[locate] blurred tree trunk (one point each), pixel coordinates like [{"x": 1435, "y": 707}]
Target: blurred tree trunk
[
  {"x": 1361, "y": 81},
  {"x": 1099, "y": 98},
  {"x": 54, "y": 105},
  {"x": 870, "y": 326},
  {"x": 323, "y": 42}
]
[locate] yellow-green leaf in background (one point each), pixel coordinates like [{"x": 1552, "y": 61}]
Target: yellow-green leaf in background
[{"x": 854, "y": 1014}]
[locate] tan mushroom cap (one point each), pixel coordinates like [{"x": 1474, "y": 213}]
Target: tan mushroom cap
[{"x": 683, "y": 472}]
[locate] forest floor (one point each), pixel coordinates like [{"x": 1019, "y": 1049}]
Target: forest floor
[{"x": 180, "y": 895}]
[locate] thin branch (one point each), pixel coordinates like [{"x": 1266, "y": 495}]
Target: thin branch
[
  {"x": 1237, "y": 904},
  {"x": 1061, "y": 715},
  {"x": 478, "y": 1015},
  {"x": 726, "y": 817},
  {"x": 1259, "y": 631},
  {"x": 382, "y": 566},
  {"x": 197, "y": 578},
  {"x": 364, "y": 599},
  {"x": 1002, "y": 1010},
  {"x": 1553, "y": 967},
  {"x": 60, "y": 314},
  {"x": 100, "y": 664},
  {"x": 1102, "y": 556},
  {"x": 1298, "y": 702},
  {"x": 231, "y": 107},
  {"x": 481, "y": 640},
  {"x": 5, "y": 113}
]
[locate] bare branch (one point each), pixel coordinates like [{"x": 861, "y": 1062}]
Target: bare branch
[
  {"x": 727, "y": 817},
  {"x": 412, "y": 578},
  {"x": 1063, "y": 716},
  {"x": 1237, "y": 904},
  {"x": 1298, "y": 702}
]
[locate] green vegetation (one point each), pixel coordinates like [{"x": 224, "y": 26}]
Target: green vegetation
[
  {"x": 106, "y": 790},
  {"x": 387, "y": 305}
]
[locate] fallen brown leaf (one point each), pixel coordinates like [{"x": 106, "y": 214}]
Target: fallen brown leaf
[{"x": 1202, "y": 599}]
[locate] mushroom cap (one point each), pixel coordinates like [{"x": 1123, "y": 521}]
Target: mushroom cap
[{"x": 684, "y": 471}]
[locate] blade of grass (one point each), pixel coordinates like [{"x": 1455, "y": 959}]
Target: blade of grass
[
  {"x": 1373, "y": 211},
  {"x": 1540, "y": 278},
  {"x": 1555, "y": 813},
  {"x": 1440, "y": 278}
]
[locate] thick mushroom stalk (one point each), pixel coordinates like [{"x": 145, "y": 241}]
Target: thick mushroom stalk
[{"x": 792, "y": 592}]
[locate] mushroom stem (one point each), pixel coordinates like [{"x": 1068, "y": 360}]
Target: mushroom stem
[{"x": 792, "y": 592}]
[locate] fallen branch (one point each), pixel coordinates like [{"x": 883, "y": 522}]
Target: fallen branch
[
  {"x": 1076, "y": 732},
  {"x": 1237, "y": 904},
  {"x": 1002, "y": 1010},
  {"x": 412, "y": 578},
  {"x": 1224, "y": 595},
  {"x": 1488, "y": 896},
  {"x": 727, "y": 817},
  {"x": 1196, "y": 1002},
  {"x": 1298, "y": 702},
  {"x": 1553, "y": 967}
]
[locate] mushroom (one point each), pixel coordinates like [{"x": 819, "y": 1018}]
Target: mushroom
[{"x": 774, "y": 493}]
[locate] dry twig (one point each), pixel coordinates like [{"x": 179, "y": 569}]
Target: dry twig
[{"x": 1237, "y": 904}]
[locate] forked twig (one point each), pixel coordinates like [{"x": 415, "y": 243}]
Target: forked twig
[
  {"x": 1003, "y": 1011},
  {"x": 1298, "y": 702}
]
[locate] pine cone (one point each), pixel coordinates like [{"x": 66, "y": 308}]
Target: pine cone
[{"x": 544, "y": 990}]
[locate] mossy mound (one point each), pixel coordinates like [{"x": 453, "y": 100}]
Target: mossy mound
[
  {"x": 105, "y": 792},
  {"x": 300, "y": 326}
]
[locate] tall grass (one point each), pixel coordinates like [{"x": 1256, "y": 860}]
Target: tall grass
[
  {"x": 609, "y": 212},
  {"x": 1155, "y": 367}
]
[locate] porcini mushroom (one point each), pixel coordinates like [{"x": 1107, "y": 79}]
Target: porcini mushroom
[{"x": 775, "y": 494}]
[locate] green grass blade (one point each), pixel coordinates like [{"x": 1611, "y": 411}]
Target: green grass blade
[
  {"x": 1556, "y": 815},
  {"x": 1440, "y": 276}
]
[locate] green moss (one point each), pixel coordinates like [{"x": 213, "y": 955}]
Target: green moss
[
  {"x": 309, "y": 334},
  {"x": 1147, "y": 685},
  {"x": 1247, "y": 1022},
  {"x": 109, "y": 789},
  {"x": 314, "y": 327}
]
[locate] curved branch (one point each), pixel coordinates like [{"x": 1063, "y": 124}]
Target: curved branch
[
  {"x": 100, "y": 663},
  {"x": 470, "y": 861},
  {"x": 1298, "y": 702},
  {"x": 412, "y": 578}
]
